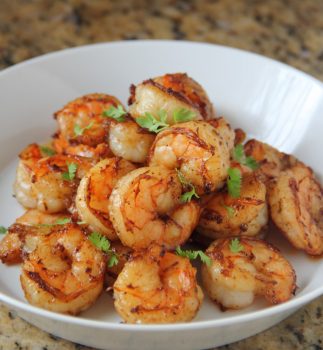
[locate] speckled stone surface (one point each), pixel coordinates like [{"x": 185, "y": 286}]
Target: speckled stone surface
[{"x": 288, "y": 30}]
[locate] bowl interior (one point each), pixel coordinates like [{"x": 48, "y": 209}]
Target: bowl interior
[{"x": 270, "y": 101}]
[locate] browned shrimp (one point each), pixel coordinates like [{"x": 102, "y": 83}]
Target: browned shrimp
[
  {"x": 225, "y": 216},
  {"x": 296, "y": 206},
  {"x": 157, "y": 287},
  {"x": 242, "y": 270},
  {"x": 62, "y": 270},
  {"x": 199, "y": 149},
  {"x": 86, "y": 114},
  {"x": 92, "y": 200},
  {"x": 170, "y": 92}
]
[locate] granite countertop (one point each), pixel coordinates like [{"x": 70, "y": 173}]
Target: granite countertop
[{"x": 290, "y": 31}]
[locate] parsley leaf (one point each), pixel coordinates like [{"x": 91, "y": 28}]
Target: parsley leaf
[
  {"x": 240, "y": 157},
  {"x": 3, "y": 230},
  {"x": 71, "y": 172},
  {"x": 182, "y": 115},
  {"x": 78, "y": 131},
  {"x": 101, "y": 242},
  {"x": 234, "y": 182},
  {"x": 191, "y": 192},
  {"x": 116, "y": 113},
  {"x": 229, "y": 210},
  {"x": 47, "y": 151},
  {"x": 61, "y": 221},
  {"x": 148, "y": 121},
  {"x": 193, "y": 254},
  {"x": 235, "y": 245}
]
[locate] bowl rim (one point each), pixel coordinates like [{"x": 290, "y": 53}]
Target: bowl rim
[{"x": 292, "y": 304}]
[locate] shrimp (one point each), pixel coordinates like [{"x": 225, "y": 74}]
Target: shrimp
[
  {"x": 92, "y": 200},
  {"x": 12, "y": 244},
  {"x": 124, "y": 254},
  {"x": 200, "y": 150},
  {"x": 226, "y": 216},
  {"x": 145, "y": 208},
  {"x": 40, "y": 182},
  {"x": 271, "y": 161},
  {"x": 157, "y": 287},
  {"x": 235, "y": 277},
  {"x": 170, "y": 92},
  {"x": 86, "y": 114},
  {"x": 62, "y": 270},
  {"x": 296, "y": 207},
  {"x": 129, "y": 141}
]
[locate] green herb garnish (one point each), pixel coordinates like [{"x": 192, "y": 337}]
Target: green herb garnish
[
  {"x": 191, "y": 192},
  {"x": 193, "y": 254},
  {"x": 240, "y": 157},
  {"x": 235, "y": 245},
  {"x": 78, "y": 131},
  {"x": 47, "y": 151},
  {"x": 182, "y": 115},
  {"x": 234, "y": 182},
  {"x": 148, "y": 121},
  {"x": 102, "y": 243},
  {"x": 3, "y": 230},
  {"x": 229, "y": 210},
  {"x": 71, "y": 172},
  {"x": 116, "y": 113}
]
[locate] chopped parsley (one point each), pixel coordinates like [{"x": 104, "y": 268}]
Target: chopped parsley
[
  {"x": 69, "y": 175},
  {"x": 102, "y": 243},
  {"x": 240, "y": 157},
  {"x": 234, "y": 182},
  {"x": 235, "y": 245},
  {"x": 47, "y": 151},
  {"x": 191, "y": 192},
  {"x": 182, "y": 115},
  {"x": 78, "y": 131},
  {"x": 229, "y": 210},
  {"x": 148, "y": 121},
  {"x": 3, "y": 230},
  {"x": 193, "y": 254},
  {"x": 116, "y": 113}
]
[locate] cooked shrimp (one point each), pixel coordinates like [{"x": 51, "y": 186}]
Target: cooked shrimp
[
  {"x": 170, "y": 92},
  {"x": 271, "y": 161},
  {"x": 157, "y": 287},
  {"x": 40, "y": 182},
  {"x": 296, "y": 207},
  {"x": 124, "y": 254},
  {"x": 85, "y": 113},
  {"x": 12, "y": 244},
  {"x": 226, "y": 216},
  {"x": 92, "y": 200},
  {"x": 62, "y": 270},
  {"x": 235, "y": 277},
  {"x": 145, "y": 207},
  {"x": 129, "y": 141},
  {"x": 200, "y": 150}
]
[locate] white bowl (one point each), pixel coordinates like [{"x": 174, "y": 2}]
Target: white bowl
[{"x": 270, "y": 100}]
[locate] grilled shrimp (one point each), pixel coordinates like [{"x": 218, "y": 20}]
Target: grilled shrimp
[
  {"x": 92, "y": 200},
  {"x": 12, "y": 244},
  {"x": 40, "y": 181},
  {"x": 145, "y": 207},
  {"x": 271, "y": 161},
  {"x": 157, "y": 287},
  {"x": 226, "y": 216},
  {"x": 236, "y": 276},
  {"x": 296, "y": 207},
  {"x": 200, "y": 150},
  {"x": 86, "y": 114},
  {"x": 170, "y": 92},
  {"x": 62, "y": 270},
  {"x": 129, "y": 141}
]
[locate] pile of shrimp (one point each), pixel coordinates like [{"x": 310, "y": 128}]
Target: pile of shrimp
[{"x": 114, "y": 196}]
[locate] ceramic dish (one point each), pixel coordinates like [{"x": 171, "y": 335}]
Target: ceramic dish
[{"x": 269, "y": 100}]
